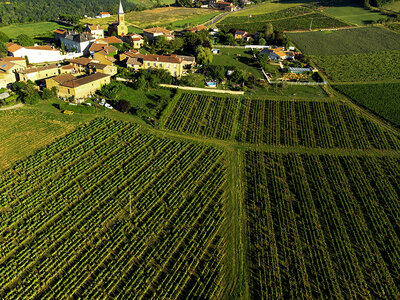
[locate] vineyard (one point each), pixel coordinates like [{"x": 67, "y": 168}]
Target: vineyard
[
  {"x": 322, "y": 226},
  {"x": 302, "y": 22},
  {"x": 108, "y": 212},
  {"x": 312, "y": 124},
  {"x": 375, "y": 66},
  {"x": 379, "y": 98},
  {"x": 204, "y": 115}
]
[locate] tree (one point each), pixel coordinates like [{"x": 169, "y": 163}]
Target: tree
[
  {"x": 47, "y": 94},
  {"x": 230, "y": 39},
  {"x": 4, "y": 37},
  {"x": 161, "y": 44},
  {"x": 269, "y": 31},
  {"x": 123, "y": 106},
  {"x": 262, "y": 41},
  {"x": 204, "y": 55},
  {"x": 3, "y": 50},
  {"x": 177, "y": 44},
  {"x": 25, "y": 40}
]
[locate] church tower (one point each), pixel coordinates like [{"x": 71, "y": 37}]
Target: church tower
[{"x": 122, "y": 28}]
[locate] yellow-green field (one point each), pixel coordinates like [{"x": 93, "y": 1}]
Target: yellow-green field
[
  {"x": 159, "y": 16},
  {"x": 264, "y": 8},
  {"x": 393, "y": 6}
]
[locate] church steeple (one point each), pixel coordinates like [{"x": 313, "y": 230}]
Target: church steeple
[
  {"x": 122, "y": 29},
  {"x": 121, "y": 10}
]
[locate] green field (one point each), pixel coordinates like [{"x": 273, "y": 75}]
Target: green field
[
  {"x": 382, "y": 98},
  {"x": 31, "y": 29},
  {"x": 231, "y": 197},
  {"x": 392, "y": 6},
  {"x": 303, "y": 22},
  {"x": 191, "y": 21},
  {"x": 313, "y": 124},
  {"x": 376, "y": 66},
  {"x": 349, "y": 41},
  {"x": 265, "y": 8},
  {"x": 240, "y": 58},
  {"x": 354, "y": 14}
]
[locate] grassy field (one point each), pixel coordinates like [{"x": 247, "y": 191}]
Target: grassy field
[
  {"x": 376, "y": 66},
  {"x": 238, "y": 57},
  {"x": 383, "y": 98},
  {"x": 31, "y": 29},
  {"x": 159, "y": 16},
  {"x": 392, "y": 6},
  {"x": 354, "y": 14},
  {"x": 265, "y": 8},
  {"x": 191, "y": 21},
  {"x": 348, "y": 41}
]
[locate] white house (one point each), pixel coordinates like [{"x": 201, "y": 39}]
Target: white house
[
  {"x": 77, "y": 42},
  {"x": 104, "y": 14},
  {"x": 38, "y": 54}
]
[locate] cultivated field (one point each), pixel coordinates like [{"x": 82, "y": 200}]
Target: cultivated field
[
  {"x": 375, "y": 66},
  {"x": 348, "y": 41},
  {"x": 290, "y": 19},
  {"x": 322, "y": 226},
  {"x": 354, "y": 14},
  {"x": 264, "y": 8},
  {"x": 382, "y": 98},
  {"x": 109, "y": 212},
  {"x": 161, "y": 16},
  {"x": 31, "y": 29},
  {"x": 313, "y": 124}
]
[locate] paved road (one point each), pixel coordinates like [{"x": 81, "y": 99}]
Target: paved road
[
  {"x": 12, "y": 107},
  {"x": 219, "y": 17}
]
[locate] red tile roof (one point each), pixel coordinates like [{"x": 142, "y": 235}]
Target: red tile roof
[
  {"x": 198, "y": 28},
  {"x": 63, "y": 78},
  {"x": 85, "y": 80},
  {"x": 163, "y": 58},
  {"x": 81, "y": 61},
  {"x": 95, "y": 27},
  {"x": 104, "y": 13},
  {"x": 11, "y": 58},
  {"x": 60, "y": 31},
  {"x": 112, "y": 40},
  {"x": 46, "y": 48},
  {"x": 13, "y": 47}
]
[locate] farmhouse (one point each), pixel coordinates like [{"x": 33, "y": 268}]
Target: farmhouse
[
  {"x": 9, "y": 72},
  {"x": 95, "y": 30},
  {"x": 222, "y": 5},
  {"x": 134, "y": 40},
  {"x": 240, "y": 34},
  {"x": 82, "y": 87},
  {"x": 152, "y": 33},
  {"x": 77, "y": 42},
  {"x": 39, "y": 73},
  {"x": 106, "y": 56},
  {"x": 104, "y": 14},
  {"x": 102, "y": 68},
  {"x": 81, "y": 64},
  {"x": 197, "y": 28},
  {"x": 169, "y": 62},
  {"x": 35, "y": 54},
  {"x": 119, "y": 27},
  {"x": 278, "y": 53}
]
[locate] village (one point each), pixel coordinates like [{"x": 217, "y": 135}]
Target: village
[{"x": 84, "y": 62}]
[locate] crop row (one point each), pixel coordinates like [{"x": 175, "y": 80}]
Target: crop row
[
  {"x": 288, "y": 123},
  {"x": 322, "y": 226},
  {"x": 303, "y": 22},
  {"x": 125, "y": 215},
  {"x": 204, "y": 115}
]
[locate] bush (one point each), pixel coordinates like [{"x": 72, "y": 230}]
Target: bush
[{"x": 123, "y": 106}]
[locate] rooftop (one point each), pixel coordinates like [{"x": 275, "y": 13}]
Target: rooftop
[
  {"x": 112, "y": 40},
  {"x": 38, "y": 69},
  {"x": 157, "y": 30},
  {"x": 81, "y": 61},
  {"x": 170, "y": 58},
  {"x": 12, "y": 47},
  {"x": 63, "y": 78},
  {"x": 85, "y": 80}
]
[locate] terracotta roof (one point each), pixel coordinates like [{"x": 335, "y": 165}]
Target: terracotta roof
[
  {"x": 186, "y": 58},
  {"x": 81, "y": 61},
  {"x": 5, "y": 66},
  {"x": 37, "y": 69},
  {"x": 63, "y": 78},
  {"x": 133, "y": 35},
  {"x": 97, "y": 47},
  {"x": 85, "y": 80},
  {"x": 46, "y": 48},
  {"x": 132, "y": 53},
  {"x": 137, "y": 39},
  {"x": 13, "y": 47},
  {"x": 104, "y": 13},
  {"x": 133, "y": 61},
  {"x": 157, "y": 30},
  {"x": 108, "y": 50},
  {"x": 198, "y": 28},
  {"x": 67, "y": 67},
  {"x": 163, "y": 58},
  {"x": 11, "y": 58},
  {"x": 60, "y": 31},
  {"x": 97, "y": 65},
  {"x": 112, "y": 40}
]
